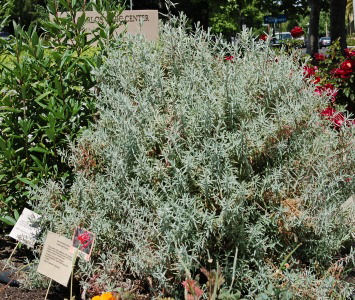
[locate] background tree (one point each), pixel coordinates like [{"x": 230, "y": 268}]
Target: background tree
[
  {"x": 23, "y": 12},
  {"x": 337, "y": 21},
  {"x": 222, "y": 16},
  {"x": 312, "y": 44},
  {"x": 350, "y": 15},
  {"x": 324, "y": 18}
]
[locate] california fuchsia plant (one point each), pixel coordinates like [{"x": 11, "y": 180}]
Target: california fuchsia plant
[{"x": 201, "y": 162}]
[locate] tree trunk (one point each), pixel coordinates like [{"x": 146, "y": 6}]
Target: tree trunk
[
  {"x": 337, "y": 21},
  {"x": 312, "y": 39}
]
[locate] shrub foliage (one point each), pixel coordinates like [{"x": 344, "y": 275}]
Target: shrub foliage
[
  {"x": 197, "y": 161},
  {"x": 46, "y": 96}
]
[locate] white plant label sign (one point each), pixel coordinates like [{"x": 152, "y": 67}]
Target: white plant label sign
[{"x": 26, "y": 228}]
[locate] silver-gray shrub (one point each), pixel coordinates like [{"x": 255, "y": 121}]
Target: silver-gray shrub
[{"x": 197, "y": 160}]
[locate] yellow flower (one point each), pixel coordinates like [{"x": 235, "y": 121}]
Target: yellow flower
[{"x": 105, "y": 296}]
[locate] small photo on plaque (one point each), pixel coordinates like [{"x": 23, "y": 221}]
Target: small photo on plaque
[{"x": 83, "y": 240}]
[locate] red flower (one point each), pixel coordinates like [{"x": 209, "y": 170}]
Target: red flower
[
  {"x": 335, "y": 117},
  {"x": 345, "y": 69},
  {"x": 349, "y": 53},
  {"x": 328, "y": 89},
  {"x": 84, "y": 240},
  {"x": 348, "y": 65},
  {"x": 338, "y": 119},
  {"x": 341, "y": 73},
  {"x": 319, "y": 56},
  {"x": 328, "y": 112},
  {"x": 309, "y": 71},
  {"x": 230, "y": 57},
  {"x": 318, "y": 90},
  {"x": 329, "y": 86},
  {"x": 316, "y": 80},
  {"x": 297, "y": 32},
  {"x": 263, "y": 37}
]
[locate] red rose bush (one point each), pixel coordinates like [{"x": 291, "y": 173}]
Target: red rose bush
[{"x": 334, "y": 76}]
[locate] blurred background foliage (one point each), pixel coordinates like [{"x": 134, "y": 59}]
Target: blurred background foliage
[{"x": 223, "y": 16}]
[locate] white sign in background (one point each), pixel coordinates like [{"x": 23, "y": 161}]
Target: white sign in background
[{"x": 143, "y": 22}]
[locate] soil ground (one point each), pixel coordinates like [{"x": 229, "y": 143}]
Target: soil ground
[
  {"x": 56, "y": 292},
  {"x": 7, "y": 292}
]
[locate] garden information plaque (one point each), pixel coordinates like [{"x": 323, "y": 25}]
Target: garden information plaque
[{"x": 56, "y": 260}]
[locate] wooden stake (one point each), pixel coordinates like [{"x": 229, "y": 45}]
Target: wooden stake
[
  {"x": 49, "y": 286},
  {"x": 12, "y": 253},
  {"x": 72, "y": 273}
]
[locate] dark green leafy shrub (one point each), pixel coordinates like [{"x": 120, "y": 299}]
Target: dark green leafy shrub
[
  {"x": 292, "y": 44},
  {"x": 197, "y": 161},
  {"x": 46, "y": 97}
]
